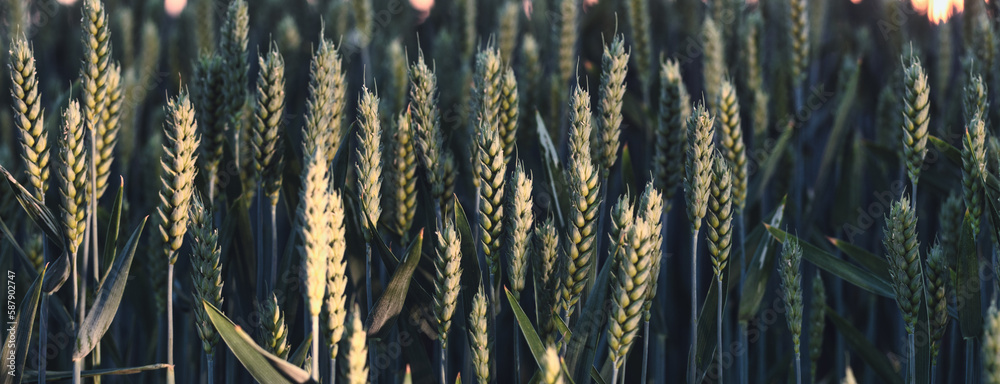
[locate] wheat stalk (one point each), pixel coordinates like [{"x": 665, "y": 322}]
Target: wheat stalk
[
  {"x": 817, "y": 323},
  {"x": 478, "y": 328},
  {"x": 313, "y": 227},
  {"x": 585, "y": 188},
  {"x": 177, "y": 180},
  {"x": 916, "y": 111},
  {"x": 973, "y": 166},
  {"x": 324, "y": 109},
  {"x": 697, "y": 170},
  {"x": 791, "y": 284},
  {"x": 936, "y": 287},
  {"x": 508, "y": 113},
  {"x": 29, "y": 116},
  {"x": 614, "y": 69},
  {"x": 731, "y": 140},
  {"x": 273, "y": 331},
  {"x": 720, "y": 230},
  {"x": 355, "y": 365},
  {"x": 403, "y": 175},
  {"x": 671, "y": 131}
]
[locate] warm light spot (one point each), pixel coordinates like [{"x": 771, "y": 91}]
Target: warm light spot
[
  {"x": 422, "y": 5},
  {"x": 938, "y": 11},
  {"x": 67, "y": 2},
  {"x": 856, "y": 1},
  {"x": 174, "y": 7}
]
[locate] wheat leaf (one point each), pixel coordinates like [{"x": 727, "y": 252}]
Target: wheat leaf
[
  {"x": 390, "y": 304},
  {"x": 23, "y": 324}
]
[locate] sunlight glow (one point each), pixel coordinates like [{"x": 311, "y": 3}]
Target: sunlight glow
[{"x": 938, "y": 11}]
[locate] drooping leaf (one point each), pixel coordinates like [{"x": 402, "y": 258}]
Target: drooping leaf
[
  {"x": 390, "y": 304},
  {"x": 967, "y": 291},
  {"x": 298, "y": 358},
  {"x": 759, "y": 268},
  {"x": 37, "y": 211},
  {"x": 878, "y": 265},
  {"x": 25, "y": 261},
  {"x": 58, "y": 273},
  {"x": 707, "y": 335},
  {"x": 262, "y": 365},
  {"x": 865, "y": 349},
  {"x": 32, "y": 376},
  {"x": 850, "y": 273},
  {"x": 550, "y": 156},
  {"x": 954, "y": 155},
  {"x": 524, "y": 323},
  {"x": 114, "y": 226},
  {"x": 22, "y": 326},
  {"x": 109, "y": 296}
]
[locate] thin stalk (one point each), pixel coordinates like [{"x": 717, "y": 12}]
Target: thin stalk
[
  {"x": 368, "y": 293},
  {"x": 970, "y": 373},
  {"x": 170, "y": 324},
  {"x": 913, "y": 359},
  {"x": 614, "y": 372},
  {"x": 602, "y": 217},
  {"x": 517, "y": 356},
  {"x": 913, "y": 199},
  {"x": 645, "y": 350},
  {"x": 798, "y": 368},
  {"x": 274, "y": 246},
  {"x": 260, "y": 246},
  {"x": 693, "y": 350},
  {"x": 333, "y": 370},
  {"x": 210, "y": 370},
  {"x": 934, "y": 372},
  {"x": 443, "y": 363},
  {"x": 718, "y": 325},
  {"x": 315, "y": 348},
  {"x": 43, "y": 321},
  {"x": 211, "y": 189},
  {"x": 743, "y": 359}
]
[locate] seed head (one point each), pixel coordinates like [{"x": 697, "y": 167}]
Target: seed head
[
  {"x": 615, "y": 67},
  {"x": 206, "y": 271},
  {"x": 273, "y": 331},
  {"x": 916, "y": 113},
  {"x": 520, "y": 220},
  {"x": 903, "y": 254},
  {"x": 369, "y": 165},
  {"x": 335, "y": 302},
  {"x": 713, "y": 62},
  {"x": 508, "y": 113},
  {"x": 671, "y": 132},
  {"x": 312, "y": 222},
  {"x": 720, "y": 215},
  {"x": 791, "y": 284},
  {"x": 28, "y": 116},
  {"x": 973, "y": 166},
  {"x": 448, "y": 266},
  {"x": 478, "y": 334},
  {"x": 268, "y": 127},
  {"x": 547, "y": 269},
  {"x": 324, "y": 109},
  {"x": 73, "y": 175},
  {"x": 177, "y": 180},
  {"x": 698, "y": 164},
  {"x": 403, "y": 175},
  {"x": 355, "y": 367},
  {"x": 731, "y": 138}
]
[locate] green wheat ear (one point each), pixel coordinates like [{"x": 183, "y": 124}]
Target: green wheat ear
[
  {"x": 211, "y": 107},
  {"x": 916, "y": 111},
  {"x": 791, "y": 284},
  {"x": 478, "y": 335},
  {"x": 565, "y": 35},
  {"x": 448, "y": 268},
  {"x": 632, "y": 276},
  {"x": 429, "y": 137},
  {"x": 637, "y": 14},
  {"x": 73, "y": 175},
  {"x": 991, "y": 346},
  {"x": 492, "y": 171},
  {"x": 509, "y": 18},
  {"x": 403, "y": 175},
  {"x": 671, "y": 131},
  {"x": 650, "y": 209},
  {"x": 325, "y": 106},
  {"x": 585, "y": 187},
  {"x": 937, "y": 296},
  {"x": 206, "y": 269},
  {"x": 396, "y": 68},
  {"x": 903, "y": 253},
  {"x": 973, "y": 166},
  {"x": 731, "y": 139},
  {"x": 713, "y": 62},
  {"x": 273, "y": 331},
  {"x": 952, "y": 215},
  {"x": 355, "y": 366},
  {"x": 177, "y": 180},
  {"x": 233, "y": 50},
  {"x": 976, "y": 97},
  {"x": 28, "y": 116},
  {"x": 520, "y": 219},
  {"x": 335, "y": 301},
  {"x": 614, "y": 69},
  {"x": 106, "y": 138},
  {"x": 799, "y": 39},
  {"x": 369, "y": 155},
  {"x": 508, "y": 113},
  {"x": 698, "y": 164},
  {"x": 720, "y": 215},
  {"x": 267, "y": 130},
  {"x": 547, "y": 270}
]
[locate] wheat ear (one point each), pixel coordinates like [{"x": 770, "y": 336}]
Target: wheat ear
[
  {"x": 206, "y": 272},
  {"x": 585, "y": 187},
  {"x": 991, "y": 345},
  {"x": 355, "y": 367},
  {"x": 713, "y": 62},
  {"x": 335, "y": 300},
  {"x": 791, "y": 287},
  {"x": 632, "y": 275},
  {"x": 430, "y": 139},
  {"x": 671, "y": 130},
  {"x": 520, "y": 219},
  {"x": 936, "y": 287},
  {"x": 509, "y": 20},
  {"x": 614, "y": 69},
  {"x": 447, "y": 281},
  {"x": 508, "y": 113},
  {"x": 73, "y": 175},
  {"x": 325, "y": 106},
  {"x": 546, "y": 268},
  {"x": 312, "y": 222},
  {"x": 28, "y": 116},
  {"x": 369, "y": 155},
  {"x": 404, "y": 174},
  {"x": 916, "y": 111},
  {"x": 975, "y": 101},
  {"x": 478, "y": 331},
  {"x": 731, "y": 140},
  {"x": 268, "y": 122},
  {"x": 973, "y": 166},
  {"x": 273, "y": 331}
]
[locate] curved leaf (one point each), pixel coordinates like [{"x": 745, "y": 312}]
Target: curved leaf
[
  {"x": 390, "y": 304},
  {"x": 37, "y": 211},
  {"x": 471, "y": 275},
  {"x": 263, "y": 366},
  {"x": 109, "y": 296},
  {"x": 759, "y": 267},
  {"x": 851, "y": 273},
  {"x": 57, "y": 275},
  {"x": 878, "y": 265},
  {"x": 22, "y": 326},
  {"x": 114, "y": 226},
  {"x": 32, "y": 376},
  {"x": 865, "y": 349},
  {"x": 550, "y": 156}
]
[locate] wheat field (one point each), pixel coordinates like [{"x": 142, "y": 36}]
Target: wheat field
[{"x": 500, "y": 191}]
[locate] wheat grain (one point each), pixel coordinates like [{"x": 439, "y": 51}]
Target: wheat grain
[
  {"x": 731, "y": 138},
  {"x": 479, "y": 342},
  {"x": 519, "y": 222},
  {"x": 355, "y": 367},
  {"x": 614, "y": 68},
  {"x": 671, "y": 133},
  {"x": 29, "y": 116},
  {"x": 268, "y": 125},
  {"x": 973, "y": 166}
]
